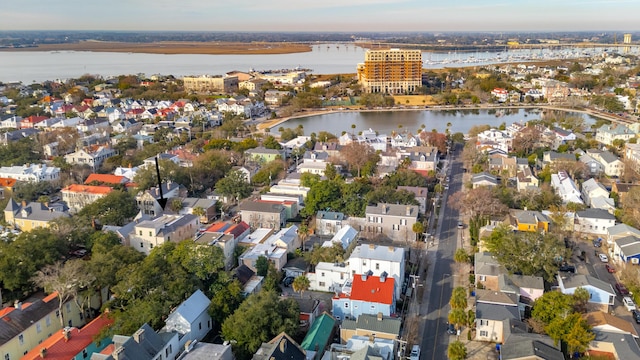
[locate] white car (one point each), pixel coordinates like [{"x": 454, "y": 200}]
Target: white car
[
  {"x": 628, "y": 303},
  {"x": 603, "y": 257},
  {"x": 415, "y": 353}
]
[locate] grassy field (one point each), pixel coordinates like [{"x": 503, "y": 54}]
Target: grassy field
[
  {"x": 414, "y": 100},
  {"x": 205, "y": 48}
]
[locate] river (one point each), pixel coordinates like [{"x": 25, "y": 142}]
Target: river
[
  {"x": 38, "y": 66},
  {"x": 384, "y": 122}
]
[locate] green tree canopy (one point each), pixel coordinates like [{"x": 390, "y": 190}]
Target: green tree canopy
[
  {"x": 234, "y": 185},
  {"x": 259, "y": 318},
  {"x": 117, "y": 208}
]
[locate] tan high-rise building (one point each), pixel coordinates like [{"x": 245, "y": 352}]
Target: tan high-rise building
[
  {"x": 391, "y": 71},
  {"x": 210, "y": 84}
]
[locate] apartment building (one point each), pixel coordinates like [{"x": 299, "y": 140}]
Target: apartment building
[
  {"x": 210, "y": 84},
  {"x": 391, "y": 71}
]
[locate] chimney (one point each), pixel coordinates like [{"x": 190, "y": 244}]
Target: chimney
[
  {"x": 67, "y": 334},
  {"x": 379, "y": 317},
  {"x": 372, "y": 246},
  {"x": 384, "y": 209},
  {"x": 18, "y": 305},
  {"x": 118, "y": 353},
  {"x": 138, "y": 336},
  {"x": 408, "y": 210},
  {"x": 364, "y": 277},
  {"x": 43, "y": 352},
  {"x": 383, "y": 276},
  {"x": 24, "y": 203}
]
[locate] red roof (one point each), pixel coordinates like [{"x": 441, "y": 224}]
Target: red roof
[
  {"x": 237, "y": 229},
  {"x": 372, "y": 290},
  {"x": 106, "y": 178},
  {"x": 35, "y": 119},
  {"x": 89, "y": 189},
  {"x": 217, "y": 227},
  {"x": 6, "y": 182},
  {"x": 60, "y": 349}
]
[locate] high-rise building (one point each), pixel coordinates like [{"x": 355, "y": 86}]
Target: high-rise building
[{"x": 391, "y": 71}]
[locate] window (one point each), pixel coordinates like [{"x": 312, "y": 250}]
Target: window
[
  {"x": 84, "y": 353},
  {"x": 377, "y": 266},
  {"x": 140, "y": 232},
  {"x": 166, "y": 351},
  {"x": 57, "y": 313},
  {"x": 47, "y": 320},
  {"x": 68, "y": 305},
  {"x": 373, "y": 307},
  {"x": 150, "y": 233},
  {"x": 38, "y": 327},
  {"x": 484, "y": 322},
  {"x": 346, "y": 305},
  {"x": 200, "y": 326},
  {"x": 141, "y": 244},
  {"x": 482, "y": 278},
  {"x": 484, "y": 333},
  {"x": 321, "y": 283},
  {"x": 7, "y": 357},
  {"x": 321, "y": 274},
  {"x": 21, "y": 339},
  {"x": 403, "y": 222}
]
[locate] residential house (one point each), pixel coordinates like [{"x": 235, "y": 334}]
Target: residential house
[
  {"x": 319, "y": 336},
  {"x": 247, "y": 171},
  {"x": 148, "y": 234},
  {"x": 368, "y": 295},
  {"x": 392, "y": 220},
  {"x": 330, "y": 277},
  {"x": 105, "y": 179},
  {"x": 6, "y": 187},
  {"x": 93, "y": 125},
  {"x": 601, "y": 294},
  {"x": 33, "y": 215},
  {"x": 594, "y": 221},
  {"x": 622, "y": 189},
  {"x": 487, "y": 271},
  {"x": 30, "y": 173},
  {"x": 611, "y": 164},
  {"x": 282, "y": 347},
  {"x": 483, "y": 179},
  {"x": 328, "y": 222},
  {"x": 275, "y": 248},
  {"x": 16, "y": 135},
  {"x": 496, "y": 138},
  {"x": 202, "y": 350},
  {"x": 530, "y": 347},
  {"x": 614, "y": 345},
  {"x": 295, "y": 144},
  {"x": 531, "y": 221},
  {"x": 500, "y": 94},
  {"x": 93, "y": 156},
  {"x": 314, "y": 162},
  {"x": 566, "y": 188},
  {"x": 528, "y": 288},
  {"x": 149, "y": 200},
  {"x": 72, "y": 343},
  {"x": 371, "y": 325},
  {"x": 404, "y": 140},
  {"x": 24, "y": 326},
  {"x": 275, "y": 97},
  {"x": 552, "y": 157},
  {"x": 78, "y": 196},
  {"x": 421, "y": 195},
  {"x": 263, "y": 214},
  {"x": 345, "y": 237},
  {"x": 424, "y": 159},
  {"x": 631, "y": 154},
  {"x": 526, "y": 180},
  {"x": 253, "y": 85},
  {"x": 144, "y": 344},
  {"x": 607, "y": 134},
  {"x": 379, "y": 260},
  {"x": 226, "y": 236},
  {"x": 620, "y": 231},
  {"x": 31, "y": 121},
  {"x": 495, "y": 311},
  {"x": 206, "y": 206},
  {"x": 502, "y": 165},
  {"x": 602, "y": 321},
  {"x": 627, "y": 250},
  {"x": 596, "y": 196},
  {"x": 364, "y": 348},
  {"x": 331, "y": 148},
  {"x": 191, "y": 319},
  {"x": 127, "y": 172},
  {"x": 264, "y": 155}
]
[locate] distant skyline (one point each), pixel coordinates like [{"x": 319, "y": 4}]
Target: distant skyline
[{"x": 325, "y": 15}]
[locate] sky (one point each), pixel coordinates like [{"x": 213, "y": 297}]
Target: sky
[{"x": 321, "y": 15}]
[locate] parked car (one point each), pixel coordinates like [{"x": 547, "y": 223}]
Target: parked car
[
  {"x": 597, "y": 243},
  {"x": 621, "y": 289},
  {"x": 636, "y": 315},
  {"x": 610, "y": 268},
  {"x": 415, "y": 353},
  {"x": 567, "y": 268},
  {"x": 287, "y": 281},
  {"x": 604, "y": 258},
  {"x": 628, "y": 303},
  {"x": 460, "y": 225},
  {"x": 451, "y": 330}
]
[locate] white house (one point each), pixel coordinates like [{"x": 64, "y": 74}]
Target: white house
[
  {"x": 601, "y": 293},
  {"x": 329, "y": 277},
  {"x": 566, "y": 188},
  {"x": 591, "y": 189},
  {"x": 379, "y": 259},
  {"x": 627, "y": 250},
  {"x": 190, "y": 319},
  {"x": 30, "y": 172},
  {"x": 594, "y": 221},
  {"x": 344, "y": 237}
]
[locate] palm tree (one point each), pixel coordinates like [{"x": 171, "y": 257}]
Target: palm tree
[
  {"x": 301, "y": 284},
  {"x": 457, "y": 351},
  {"x": 418, "y": 228},
  {"x": 458, "y": 298},
  {"x": 303, "y": 234},
  {"x": 457, "y": 317},
  {"x": 460, "y": 257}
]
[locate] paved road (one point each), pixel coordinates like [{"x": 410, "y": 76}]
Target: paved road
[{"x": 435, "y": 305}]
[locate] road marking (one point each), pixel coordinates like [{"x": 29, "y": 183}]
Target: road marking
[{"x": 435, "y": 338}]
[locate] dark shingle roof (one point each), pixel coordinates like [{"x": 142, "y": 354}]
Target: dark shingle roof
[{"x": 17, "y": 321}]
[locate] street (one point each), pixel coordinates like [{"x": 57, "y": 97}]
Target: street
[{"x": 440, "y": 273}]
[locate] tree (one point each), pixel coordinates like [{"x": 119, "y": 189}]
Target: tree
[
  {"x": 418, "y": 228},
  {"x": 225, "y": 300},
  {"x": 331, "y": 254},
  {"x": 262, "y": 266},
  {"x": 573, "y": 329},
  {"x": 301, "y": 284},
  {"x": 480, "y": 202},
  {"x": 580, "y": 299},
  {"x": 550, "y": 305},
  {"x": 175, "y": 205},
  {"x": 461, "y": 256},
  {"x": 271, "y": 143},
  {"x": 458, "y": 298},
  {"x": 234, "y": 185},
  {"x": 356, "y": 155},
  {"x": 259, "y": 318},
  {"x": 65, "y": 279},
  {"x": 457, "y": 317},
  {"x": 117, "y": 208},
  {"x": 456, "y": 351}
]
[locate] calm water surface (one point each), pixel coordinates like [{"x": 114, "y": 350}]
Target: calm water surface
[{"x": 384, "y": 122}]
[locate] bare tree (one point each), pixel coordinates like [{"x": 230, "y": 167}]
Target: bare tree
[
  {"x": 66, "y": 280},
  {"x": 478, "y": 202},
  {"x": 356, "y": 155}
]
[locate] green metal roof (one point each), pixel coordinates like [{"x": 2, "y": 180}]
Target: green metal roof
[{"x": 319, "y": 334}]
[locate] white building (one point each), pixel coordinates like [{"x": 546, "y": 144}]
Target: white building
[
  {"x": 148, "y": 234},
  {"x": 566, "y": 188},
  {"x": 379, "y": 259},
  {"x": 594, "y": 221},
  {"x": 190, "y": 319},
  {"x": 30, "y": 172}
]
